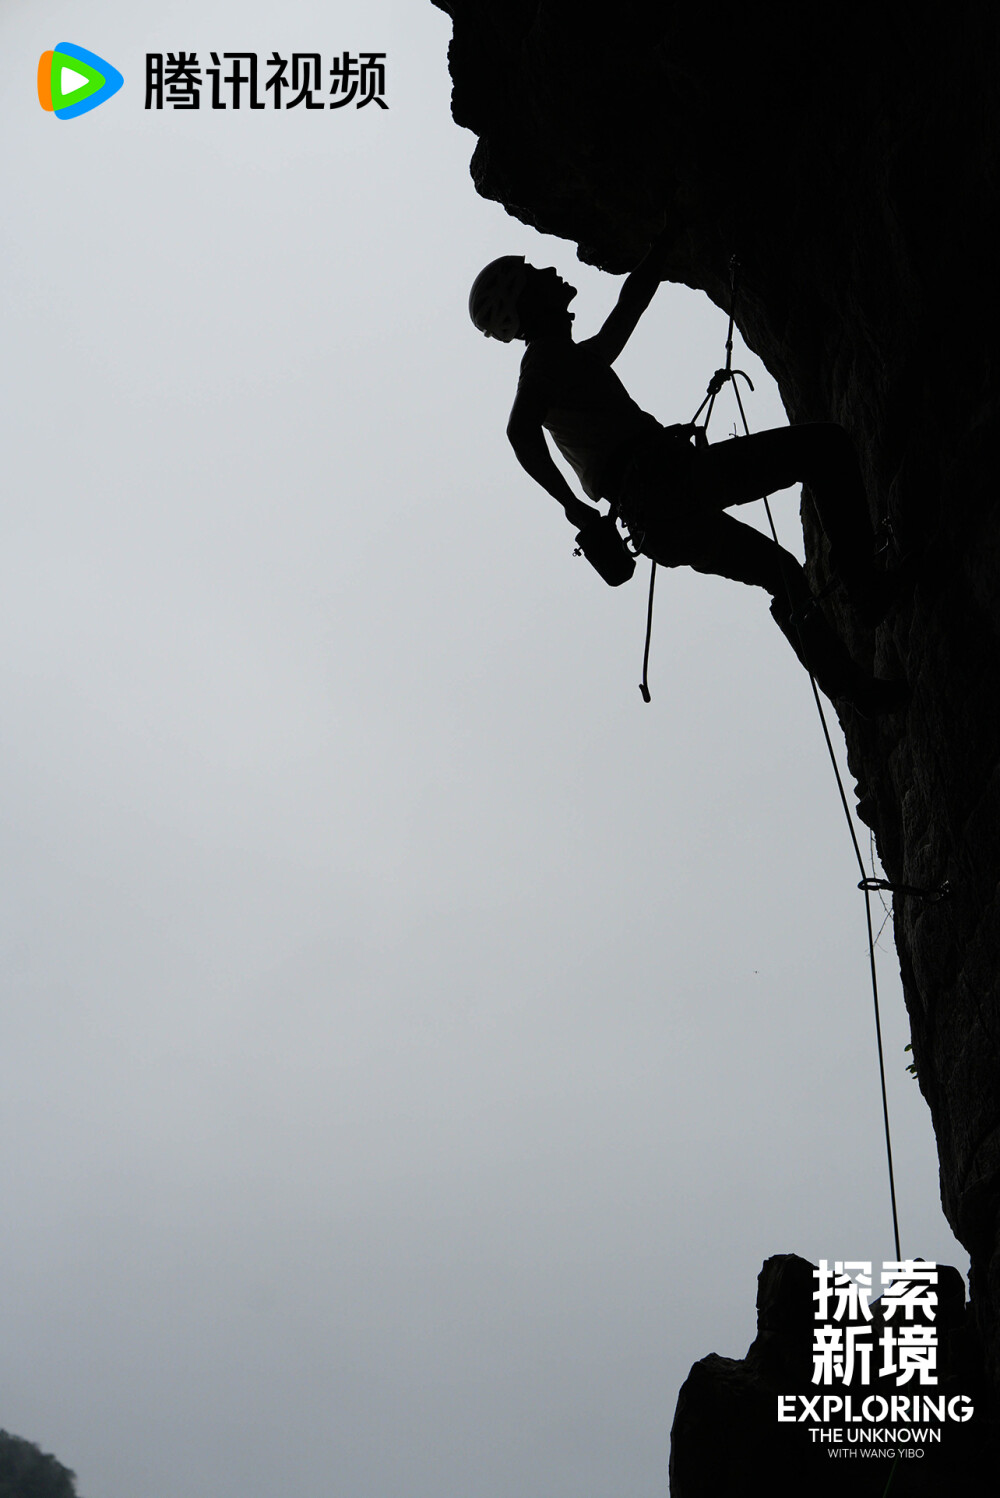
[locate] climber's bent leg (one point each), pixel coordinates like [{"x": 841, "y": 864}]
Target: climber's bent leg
[
  {"x": 714, "y": 542},
  {"x": 820, "y": 455}
]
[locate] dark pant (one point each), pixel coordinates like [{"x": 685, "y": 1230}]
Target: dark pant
[{"x": 674, "y": 498}]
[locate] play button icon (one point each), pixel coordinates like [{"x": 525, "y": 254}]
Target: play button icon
[
  {"x": 73, "y": 81},
  {"x": 70, "y": 80}
]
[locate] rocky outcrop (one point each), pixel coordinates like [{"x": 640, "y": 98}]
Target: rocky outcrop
[
  {"x": 848, "y": 158},
  {"x": 28, "y": 1472},
  {"x": 726, "y": 1424}
]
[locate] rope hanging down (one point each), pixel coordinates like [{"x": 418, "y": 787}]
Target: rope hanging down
[
  {"x": 700, "y": 435},
  {"x": 868, "y": 882}
]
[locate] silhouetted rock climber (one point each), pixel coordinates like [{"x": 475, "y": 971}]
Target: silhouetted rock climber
[{"x": 671, "y": 494}]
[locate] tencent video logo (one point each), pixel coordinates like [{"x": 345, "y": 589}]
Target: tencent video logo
[{"x": 73, "y": 81}]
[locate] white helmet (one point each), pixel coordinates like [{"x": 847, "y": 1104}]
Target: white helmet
[{"x": 493, "y": 298}]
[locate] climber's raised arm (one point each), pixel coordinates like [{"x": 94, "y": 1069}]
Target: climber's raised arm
[{"x": 633, "y": 299}]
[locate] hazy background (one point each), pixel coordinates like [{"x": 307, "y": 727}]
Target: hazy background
[{"x": 412, "y": 1043}]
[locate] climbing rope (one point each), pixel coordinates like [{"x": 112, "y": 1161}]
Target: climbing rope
[
  {"x": 868, "y": 882},
  {"x": 644, "y": 684},
  {"x": 699, "y": 434}
]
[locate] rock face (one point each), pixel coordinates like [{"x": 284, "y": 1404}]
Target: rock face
[
  {"x": 848, "y": 158},
  {"x": 725, "y": 1425}
]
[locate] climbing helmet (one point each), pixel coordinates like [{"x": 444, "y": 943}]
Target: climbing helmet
[{"x": 493, "y": 298}]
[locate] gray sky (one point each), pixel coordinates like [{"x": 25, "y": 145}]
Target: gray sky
[{"x": 412, "y": 1044}]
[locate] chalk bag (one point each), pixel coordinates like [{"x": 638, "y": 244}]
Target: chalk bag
[{"x": 602, "y": 545}]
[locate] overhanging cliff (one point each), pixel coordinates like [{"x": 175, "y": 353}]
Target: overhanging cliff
[{"x": 848, "y": 158}]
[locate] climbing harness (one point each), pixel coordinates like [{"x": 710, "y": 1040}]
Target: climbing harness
[{"x": 868, "y": 883}]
